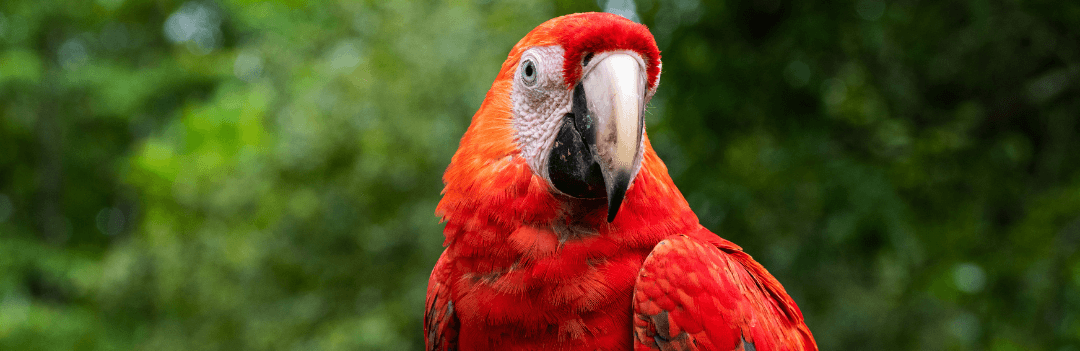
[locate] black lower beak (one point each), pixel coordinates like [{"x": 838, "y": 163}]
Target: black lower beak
[
  {"x": 616, "y": 193},
  {"x": 572, "y": 166}
]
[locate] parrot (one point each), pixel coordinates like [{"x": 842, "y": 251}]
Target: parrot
[{"x": 563, "y": 229}]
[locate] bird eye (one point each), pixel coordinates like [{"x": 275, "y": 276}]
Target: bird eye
[
  {"x": 528, "y": 72},
  {"x": 585, "y": 61}
]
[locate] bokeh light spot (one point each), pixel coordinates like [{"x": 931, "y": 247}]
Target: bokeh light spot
[
  {"x": 72, "y": 53},
  {"x": 969, "y": 277},
  {"x": 248, "y": 66},
  {"x": 344, "y": 57},
  {"x": 196, "y": 24}
]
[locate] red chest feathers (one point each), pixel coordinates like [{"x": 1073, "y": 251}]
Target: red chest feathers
[{"x": 529, "y": 291}]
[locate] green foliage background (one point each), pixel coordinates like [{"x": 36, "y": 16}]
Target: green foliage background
[{"x": 190, "y": 175}]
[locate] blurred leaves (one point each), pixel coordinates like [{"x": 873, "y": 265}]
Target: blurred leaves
[
  {"x": 263, "y": 175},
  {"x": 902, "y": 167}
]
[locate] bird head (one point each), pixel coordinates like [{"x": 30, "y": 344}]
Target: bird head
[{"x": 570, "y": 100}]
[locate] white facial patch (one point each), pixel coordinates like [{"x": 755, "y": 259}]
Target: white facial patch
[{"x": 539, "y": 104}]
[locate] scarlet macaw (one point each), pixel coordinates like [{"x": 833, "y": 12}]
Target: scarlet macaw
[{"x": 564, "y": 230}]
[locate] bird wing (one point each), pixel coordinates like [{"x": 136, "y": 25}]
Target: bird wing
[
  {"x": 701, "y": 292},
  {"x": 440, "y": 320}
]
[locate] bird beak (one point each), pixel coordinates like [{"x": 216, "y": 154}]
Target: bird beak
[
  {"x": 614, "y": 90},
  {"x": 597, "y": 149}
]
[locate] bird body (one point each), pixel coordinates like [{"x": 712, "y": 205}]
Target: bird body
[{"x": 564, "y": 230}]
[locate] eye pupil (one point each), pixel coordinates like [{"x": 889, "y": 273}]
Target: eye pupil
[{"x": 528, "y": 72}]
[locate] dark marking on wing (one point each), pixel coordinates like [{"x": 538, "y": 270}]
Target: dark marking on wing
[
  {"x": 663, "y": 329},
  {"x": 662, "y": 338},
  {"x": 440, "y": 319},
  {"x": 441, "y": 327},
  {"x": 746, "y": 345}
]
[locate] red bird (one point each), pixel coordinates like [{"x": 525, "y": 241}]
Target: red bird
[{"x": 564, "y": 230}]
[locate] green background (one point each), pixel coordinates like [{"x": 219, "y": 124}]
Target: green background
[{"x": 245, "y": 175}]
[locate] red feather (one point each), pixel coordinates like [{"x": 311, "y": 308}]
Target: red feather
[
  {"x": 528, "y": 269},
  {"x": 584, "y": 33}
]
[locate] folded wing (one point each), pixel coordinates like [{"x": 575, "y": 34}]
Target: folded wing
[{"x": 701, "y": 292}]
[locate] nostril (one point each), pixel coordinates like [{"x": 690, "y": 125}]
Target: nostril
[{"x": 588, "y": 57}]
